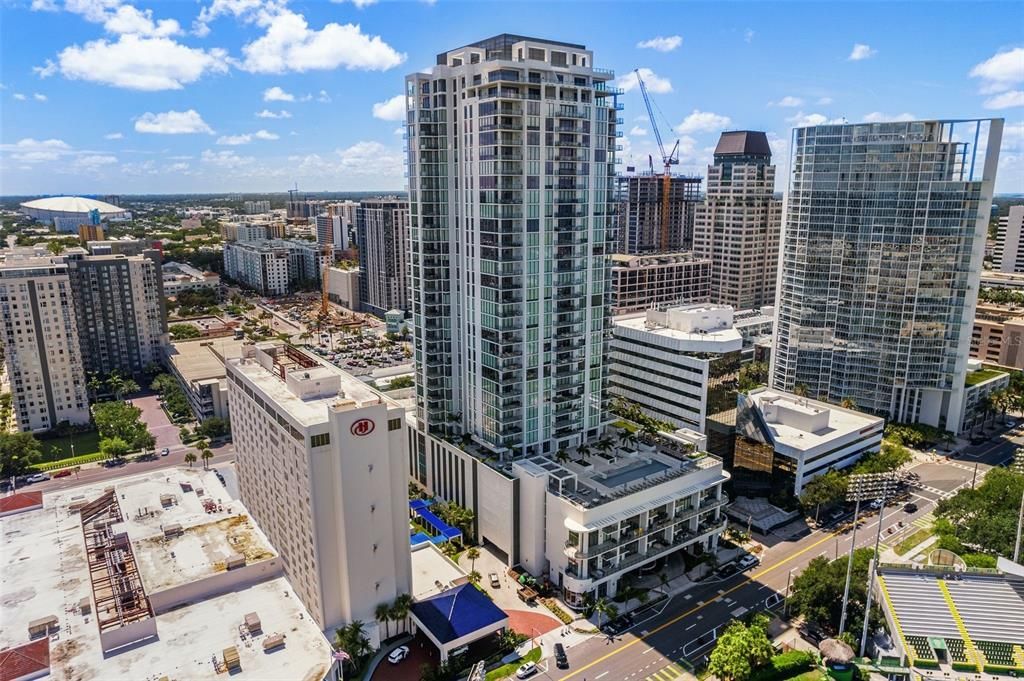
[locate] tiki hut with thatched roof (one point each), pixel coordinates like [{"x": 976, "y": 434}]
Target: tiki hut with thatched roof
[{"x": 838, "y": 658}]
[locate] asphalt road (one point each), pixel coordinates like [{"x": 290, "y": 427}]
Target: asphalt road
[{"x": 684, "y": 629}]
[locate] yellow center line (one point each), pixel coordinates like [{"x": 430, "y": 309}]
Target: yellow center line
[{"x": 701, "y": 606}]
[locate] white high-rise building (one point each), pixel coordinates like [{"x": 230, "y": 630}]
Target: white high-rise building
[
  {"x": 40, "y": 339},
  {"x": 885, "y": 234},
  {"x": 1009, "y": 253},
  {"x": 321, "y": 460},
  {"x": 512, "y": 146}
]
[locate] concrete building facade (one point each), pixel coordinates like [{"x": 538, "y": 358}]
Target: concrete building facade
[
  {"x": 274, "y": 266},
  {"x": 382, "y": 227},
  {"x": 320, "y": 459},
  {"x": 640, "y": 208},
  {"x": 1009, "y": 251},
  {"x": 738, "y": 224},
  {"x": 998, "y": 335},
  {"x": 880, "y": 214},
  {"x": 343, "y": 287},
  {"x": 41, "y": 344},
  {"x": 509, "y": 226},
  {"x": 641, "y": 282}
]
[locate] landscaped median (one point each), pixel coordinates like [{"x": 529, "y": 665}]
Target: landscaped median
[
  {"x": 505, "y": 671},
  {"x": 70, "y": 462}
]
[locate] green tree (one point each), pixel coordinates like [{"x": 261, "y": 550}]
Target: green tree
[
  {"x": 183, "y": 331},
  {"x": 604, "y": 608},
  {"x": 801, "y": 390},
  {"x": 889, "y": 458},
  {"x": 401, "y": 608},
  {"x": 383, "y": 614},
  {"x": 604, "y": 445},
  {"x": 562, "y": 455},
  {"x": 848, "y": 403},
  {"x": 206, "y": 455},
  {"x": 741, "y": 649},
  {"x": 456, "y": 516},
  {"x": 114, "y": 448},
  {"x": 752, "y": 375},
  {"x": 18, "y": 452},
  {"x": 190, "y": 458},
  {"x": 827, "y": 488},
  {"x": 55, "y": 246},
  {"x": 815, "y": 591},
  {"x": 118, "y": 419},
  {"x": 352, "y": 639},
  {"x": 983, "y": 519},
  {"x": 94, "y": 384},
  {"x": 472, "y": 554},
  {"x": 474, "y": 577},
  {"x": 213, "y": 427}
]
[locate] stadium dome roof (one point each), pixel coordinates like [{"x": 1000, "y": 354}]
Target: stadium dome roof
[{"x": 71, "y": 204}]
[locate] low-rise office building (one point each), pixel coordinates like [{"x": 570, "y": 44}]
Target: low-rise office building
[
  {"x": 640, "y": 282},
  {"x": 199, "y": 366},
  {"x": 343, "y": 287},
  {"x": 783, "y": 440},
  {"x": 998, "y": 335},
  {"x": 319, "y": 456},
  {"x": 980, "y": 382},
  {"x": 180, "y": 277}
]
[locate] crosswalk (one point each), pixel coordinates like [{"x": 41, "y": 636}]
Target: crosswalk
[
  {"x": 672, "y": 671},
  {"x": 941, "y": 494},
  {"x": 925, "y": 521}
]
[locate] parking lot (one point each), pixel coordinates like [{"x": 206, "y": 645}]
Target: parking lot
[{"x": 155, "y": 418}]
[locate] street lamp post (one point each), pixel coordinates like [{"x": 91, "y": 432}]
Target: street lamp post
[
  {"x": 1018, "y": 464},
  {"x": 887, "y": 486},
  {"x": 861, "y": 488}
]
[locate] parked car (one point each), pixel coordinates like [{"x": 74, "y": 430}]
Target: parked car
[
  {"x": 526, "y": 671},
  {"x": 62, "y": 473},
  {"x": 837, "y": 514},
  {"x": 910, "y": 507},
  {"x": 561, "y": 661},
  {"x": 495, "y": 582},
  {"x": 812, "y": 634},
  {"x": 398, "y": 654},
  {"x": 876, "y": 504},
  {"x": 727, "y": 570},
  {"x": 165, "y": 451},
  {"x": 748, "y": 561},
  {"x": 38, "y": 477}
]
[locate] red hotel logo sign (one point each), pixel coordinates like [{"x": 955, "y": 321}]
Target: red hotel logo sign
[{"x": 362, "y": 427}]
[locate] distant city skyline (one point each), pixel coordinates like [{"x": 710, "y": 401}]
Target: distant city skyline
[{"x": 255, "y": 96}]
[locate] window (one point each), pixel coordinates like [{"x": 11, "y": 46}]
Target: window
[
  {"x": 320, "y": 440},
  {"x": 394, "y": 424}
]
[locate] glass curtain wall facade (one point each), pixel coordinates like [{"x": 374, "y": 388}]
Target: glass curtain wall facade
[
  {"x": 882, "y": 251},
  {"x": 512, "y": 145}
]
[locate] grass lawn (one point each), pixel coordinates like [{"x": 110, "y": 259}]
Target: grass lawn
[
  {"x": 510, "y": 668},
  {"x": 812, "y": 675},
  {"x": 85, "y": 443},
  {"x": 913, "y": 540},
  {"x": 976, "y": 377}
]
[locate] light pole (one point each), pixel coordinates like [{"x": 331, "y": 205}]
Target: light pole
[
  {"x": 887, "y": 486},
  {"x": 861, "y": 487},
  {"x": 1018, "y": 464},
  {"x": 785, "y": 605}
]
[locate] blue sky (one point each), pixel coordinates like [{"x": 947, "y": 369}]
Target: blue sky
[{"x": 106, "y": 96}]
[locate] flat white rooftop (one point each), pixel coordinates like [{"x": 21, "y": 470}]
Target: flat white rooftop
[
  {"x": 45, "y": 574},
  {"x": 687, "y": 327},
  {"x": 312, "y": 408},
  {"x": 433, "y": 573},
  {"x": 802, "y": 423}
]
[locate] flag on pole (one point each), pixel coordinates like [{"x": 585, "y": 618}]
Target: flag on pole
[{"x": 341, "y": 656}]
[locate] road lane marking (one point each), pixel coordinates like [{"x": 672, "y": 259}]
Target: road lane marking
[
  {"x": 701, "y": 605},
  {"x": 647, "y": 651},
  {"x": 687, "y": 629},
  {"x": 602, "y": 674}
]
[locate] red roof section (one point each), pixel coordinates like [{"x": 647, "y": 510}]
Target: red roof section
[
  {"x": 20, "y": 501},
  {"x": 24, "y": 660}
]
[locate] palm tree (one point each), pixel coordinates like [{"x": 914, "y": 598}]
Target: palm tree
[
  {"x": 475, "y": 577},
  {"x": 561, "y": 455},
  {"x": 383, "y": 614},
  {"x": 306, "y": 335},
  {"x": 129, "y": 387},
  {"x": 190, "y": 458},
  {"x": 55, "y": 247},
  {"x": 94, "y": 385},
  {"x": 400, "y": 609},
  {"x": 606, "y": 608},
  {"x": 115, "y": 384},
  {"x": 472, "y": 554},
  {"x": 206, "y": 455},
  {"x": 583, "y": 450},
  {"x": 624, "y": 437},
  {"x": 801, "y": 390},
  {"x": 848, "y": 403},
  {"x": 604, "y": 444},
  {"x": 283, "y": 337}
]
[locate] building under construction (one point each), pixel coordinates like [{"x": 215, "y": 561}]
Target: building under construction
[{"x": 641, "y": 202}]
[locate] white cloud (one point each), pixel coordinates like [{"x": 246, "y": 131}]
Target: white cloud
[
  {"x": 290, "y": 45},
  {"x": 267, "y": 113},
  {"x": 400, "y": 130},
  {"x": 265, "y": 135},
  {"x": 20, "y": 97},
  {"x": 788, "y": 101},
  {"x": 225, "y": 159},
  {"x": 113, "y": 136},
  {"x": 391, "y": 109},
  {"x": 44, "y": 6},
  {"x": 29, "y": 150},
  {"x": 276, "y": 94},
  {"x": 653, "y": 81},
  {"x": 824, "y": 101},
  {"x": 234, "y": 140},
  {"x": 323, "y": 97},
  {"x": 661, "y": 43},
  {"x": 1001, "y": 71},
  {"x": 748, "y": 35},
  {"x": 861, "y": 51},
  {"x": 38, "y": 97},
  {"x": 94, "y": 161},
  {"x": 1005, "y": 100},
  {"x": 179, "y": 167},
  {"x": 128, "y": 19},
  {"x": 802, "y": 120},
  {"x": 358, "y": 3},
  {"x": 136, "y": 63},
  {"x": 172, "y": 123},
  {"x": 638, "y": 131},
  {"x": 703, "y": 121},
  {"x": 879, "y": 117}
]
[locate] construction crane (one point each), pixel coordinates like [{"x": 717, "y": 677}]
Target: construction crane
[{"x": 668, "y": 159}]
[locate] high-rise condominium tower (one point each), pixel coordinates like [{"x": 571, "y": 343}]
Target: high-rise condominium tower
[
  {"x": 885, "y": 234},
  {"x": 737, "y": 225},
  {"x": 383, "y": 227},
  {"x": 640, "y": 206},
  {"x": 511, "y": 173}
]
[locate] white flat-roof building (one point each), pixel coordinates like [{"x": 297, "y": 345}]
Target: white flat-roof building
[
  {"x": 676, "y": 364},
  {"x": 199, "y": 366},
  {"x": 154, "y": 575},
  {"x": 588, "y": 522},
  {"x": 1009, "y": 251},
  {"x": 180, "y": 277},
  {"x": 320, "y": 458},
  {"x": 783, "y": 440}
]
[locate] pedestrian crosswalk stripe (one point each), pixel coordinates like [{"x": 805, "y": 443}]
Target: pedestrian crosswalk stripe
[{"x": 666, "y": 674}]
